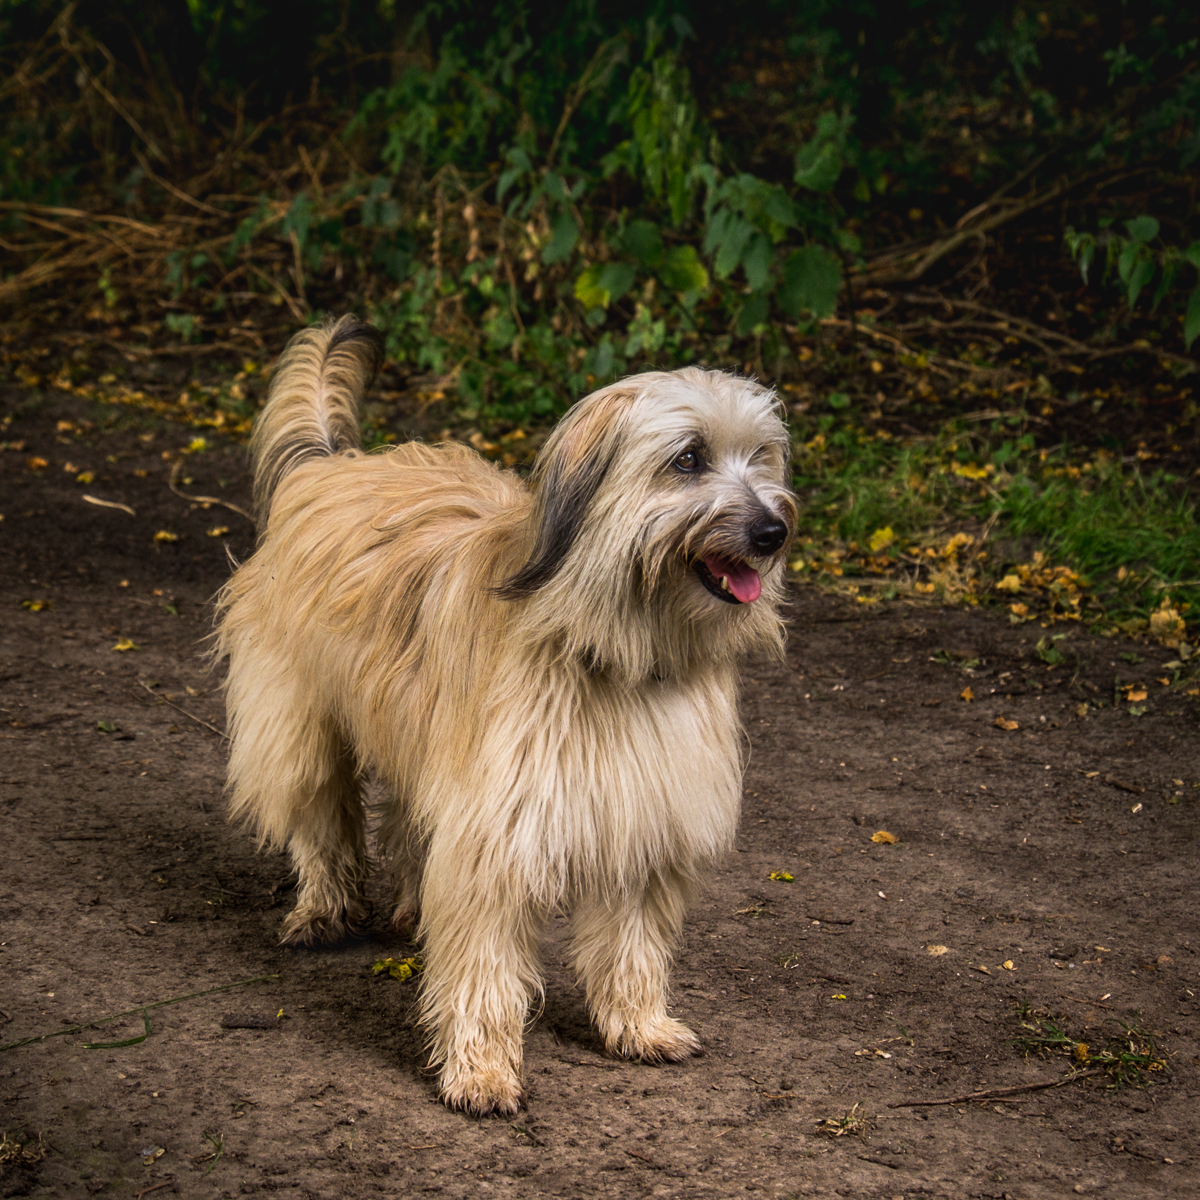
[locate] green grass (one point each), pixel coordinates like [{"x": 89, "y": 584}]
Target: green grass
[{"x": 967, "y": 509}]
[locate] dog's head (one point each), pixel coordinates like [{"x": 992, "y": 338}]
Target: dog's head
[{"x": 665, "y": 497}]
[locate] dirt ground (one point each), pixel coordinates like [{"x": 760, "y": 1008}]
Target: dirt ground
[{"x": 1054, "y": 860}]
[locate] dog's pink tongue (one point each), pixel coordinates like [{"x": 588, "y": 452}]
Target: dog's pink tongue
[{"x": 742, "y": 579}]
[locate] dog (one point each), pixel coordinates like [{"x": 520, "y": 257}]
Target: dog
[{"x": 544, "y": 676}]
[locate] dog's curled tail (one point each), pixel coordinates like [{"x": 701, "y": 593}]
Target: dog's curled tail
[{"x": 312, "y": 407}]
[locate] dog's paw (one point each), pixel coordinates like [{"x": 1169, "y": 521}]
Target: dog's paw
[
  {"x": 661, "y": 1039},
  {"x": 406, "y": 919},
  {"x": 309, "y": 927},
  {"x": 482, "y": 1092}
]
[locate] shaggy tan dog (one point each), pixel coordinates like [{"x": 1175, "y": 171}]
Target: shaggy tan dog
[{"x": 544, "y": 676}]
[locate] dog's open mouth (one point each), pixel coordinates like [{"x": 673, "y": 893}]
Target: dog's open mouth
[{"x": 729, "y": 579}]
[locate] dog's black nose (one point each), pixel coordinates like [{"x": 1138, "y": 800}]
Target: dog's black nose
[{"x": 767, "y": 534}]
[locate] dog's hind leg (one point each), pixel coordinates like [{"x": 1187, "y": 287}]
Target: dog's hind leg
[
  {"x": 406, "y": 851},
  {"x": 329, "y": 851},
  {"x": 479, "y": 934},
  {"x": 295, "y": 781},
  {"x": 622, "y": 949}
]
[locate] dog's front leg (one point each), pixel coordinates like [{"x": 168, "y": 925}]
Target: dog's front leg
[
  {"x": 480, "y": 934},
  {"x": 622, "y": 950}
]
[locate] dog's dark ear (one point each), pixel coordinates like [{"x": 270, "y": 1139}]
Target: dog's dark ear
[{"x": 574, "y": 464}]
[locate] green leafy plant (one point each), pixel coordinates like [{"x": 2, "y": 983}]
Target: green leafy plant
[{"x": 1138, "y": 258}]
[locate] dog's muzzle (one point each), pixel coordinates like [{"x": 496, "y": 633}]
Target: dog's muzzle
[{"x": 734, "y": 580}]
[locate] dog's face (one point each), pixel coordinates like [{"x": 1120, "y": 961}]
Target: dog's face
[{"x": 665, "y": 493}]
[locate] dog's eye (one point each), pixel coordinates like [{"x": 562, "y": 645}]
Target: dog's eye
[{"x": 688, "y": 461}]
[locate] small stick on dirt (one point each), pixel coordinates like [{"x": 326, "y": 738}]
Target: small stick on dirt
[
  {"x": 175, "y": 470},
  {"x": 147, "y": 1191},
  {"x": 1093, "y": 1003},
  {"x": 108, "y": 504},
  {"x": 650, "y": 1161},
  {"x": 993, "y": 1093},
  {"x": 832, "y": 921},
  {"x": 141, "y": 1010},
  {"x": 163, "y": 700}
]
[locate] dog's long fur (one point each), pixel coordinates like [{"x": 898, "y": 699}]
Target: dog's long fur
[{"x": 540, "y": 675}]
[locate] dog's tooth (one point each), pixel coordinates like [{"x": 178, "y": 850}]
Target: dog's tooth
[{"x": 724, "y": 583}]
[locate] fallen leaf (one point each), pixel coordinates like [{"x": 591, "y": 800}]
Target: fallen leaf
[
  {"x": 37, "y": 605},
  {"x": 164, "y": 536},
  {"x": 967, "y": 695},
  {"x": 884, "y": 838},
  {"x": 218, "y": 531},
  {"x": 1007, "y": 964},
  {"x": 1135, "y": 694},
  {"x": 399, "y": 968},
  {"x": 972, "y": 470},
  {"x": 880, "y": 538},
  {"x": 981, "y": 970},
  {"x": 782, "y": 877},
  {"x": 1010, "y": 583},
  {"x": 937, "y": 951},
  {"x": 1004, "y": 723},
  {"x": 126, "y": 644}
]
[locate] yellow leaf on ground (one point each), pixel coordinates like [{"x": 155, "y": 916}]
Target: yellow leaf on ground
[
  {"x": 1008, "y": 965},
  {"x": 937, "y": 951},
  {"x": 884, "y": 838},
  {"x": 1135, "y": 694},
  {"x": 164, "y": 536},
  {"x": 126, "y": 644},
  {"x": 399, "y": 968},
  {"x": 880, "y": 538},
  {"x": 967, "y": 695},
  {"x": 782, "y": 877},
  {"x": 218, "y": 531},
  {"x": 1005, "y": 723},
  {"x": 972, "y": 470},
  {"x": 1010, "y": 583}
]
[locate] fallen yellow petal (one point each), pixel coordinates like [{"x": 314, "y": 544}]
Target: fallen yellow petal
[
  {"x": 884, "y": 838},
  {"x": 967, "y": 695},
  {"x": 164, "y": 536},
  {"x": 126, "y": 644}
]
